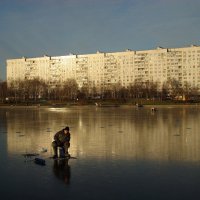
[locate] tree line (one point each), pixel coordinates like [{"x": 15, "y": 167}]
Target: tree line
[{"x": 36, "y": 89}]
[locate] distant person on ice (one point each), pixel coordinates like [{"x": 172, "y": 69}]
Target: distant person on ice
[{"x": 61, "y": 139}]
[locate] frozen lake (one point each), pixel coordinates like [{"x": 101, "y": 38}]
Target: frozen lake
[{"x": 122, "y": 153}]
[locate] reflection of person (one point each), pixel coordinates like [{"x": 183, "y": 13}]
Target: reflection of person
[
  {"x": 62, "y": 170},
  {"x": 61, "y": 139}
]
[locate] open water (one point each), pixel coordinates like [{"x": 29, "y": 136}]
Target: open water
[{"x": 122, "y": 153}]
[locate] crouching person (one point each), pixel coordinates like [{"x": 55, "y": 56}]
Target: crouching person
[{"x": 61, "y": 139}]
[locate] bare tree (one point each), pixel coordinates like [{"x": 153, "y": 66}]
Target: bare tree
[
  {"x": 194, "y": 92},
  {"x": 123, "y": 93},
  {"x": 34, "y": 89},
  {"x": 150, "y": 89},
  {"x": 28, "y": 89},
  {"x": 14, "y": 91},
  {"x": 70, "y": 89},
  {"x": 115, "y": 89},
  {"x": 174, "y": 88},
  {"x": 137, "y": 88},
  {"x": 3, "y": 91}
]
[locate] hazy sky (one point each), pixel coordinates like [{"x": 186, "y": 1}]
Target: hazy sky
[{"x": 32, "y": 28}]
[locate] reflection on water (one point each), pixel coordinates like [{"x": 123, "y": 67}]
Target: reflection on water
[
  {"x": 122, "y": 153},
  {"x": 108, "y": 133},
  {"x": 61, "y": 170}
]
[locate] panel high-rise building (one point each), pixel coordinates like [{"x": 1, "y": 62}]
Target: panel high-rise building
[{"x": 102, "y": 69}]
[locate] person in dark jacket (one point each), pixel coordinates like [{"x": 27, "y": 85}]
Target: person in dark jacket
[{"x": 61, "y": 139}]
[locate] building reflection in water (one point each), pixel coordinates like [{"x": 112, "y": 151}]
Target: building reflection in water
[{"x": 110, "y": 133}]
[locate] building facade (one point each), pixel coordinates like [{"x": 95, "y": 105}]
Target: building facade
[{"x": 102, "y": 70}]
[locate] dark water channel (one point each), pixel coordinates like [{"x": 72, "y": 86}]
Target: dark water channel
[{"x": 122, "y": 153}]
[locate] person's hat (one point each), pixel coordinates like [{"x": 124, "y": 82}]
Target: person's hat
[{"x": 66, "y": 128}]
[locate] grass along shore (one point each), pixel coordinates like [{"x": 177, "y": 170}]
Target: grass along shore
[{"x": 131, "y": 102}]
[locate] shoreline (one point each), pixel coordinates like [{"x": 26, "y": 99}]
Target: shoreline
[{"x": 90, "y": 105}]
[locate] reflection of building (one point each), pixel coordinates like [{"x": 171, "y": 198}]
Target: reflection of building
[
  {"x": 101, "y": 70},
  {"x": 98, "y": 133},
  {"x": 31, "y": 130},
  {"x": 171, "y": 134}
]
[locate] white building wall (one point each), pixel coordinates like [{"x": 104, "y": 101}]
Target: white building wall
[
  {"x": 15, "y": 70},
  {"x": 69, "y": 67},
  {"x": 102, "y": 70},
  {"x": 95, "y": 71}
]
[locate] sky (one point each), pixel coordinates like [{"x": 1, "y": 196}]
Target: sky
[{"x": 33, "y": 28}]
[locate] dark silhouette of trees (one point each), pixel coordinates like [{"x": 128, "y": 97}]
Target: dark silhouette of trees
[
  {"x": 36, "y": 89},
  {"x": 3, "y": 91},
  {"x": 22, "y": 91},
  {"x": 70, "y": 89},
  {"x": 174, "y": 88}
]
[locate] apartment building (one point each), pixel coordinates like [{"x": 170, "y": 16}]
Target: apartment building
[{"x": 102, "y": 69}]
